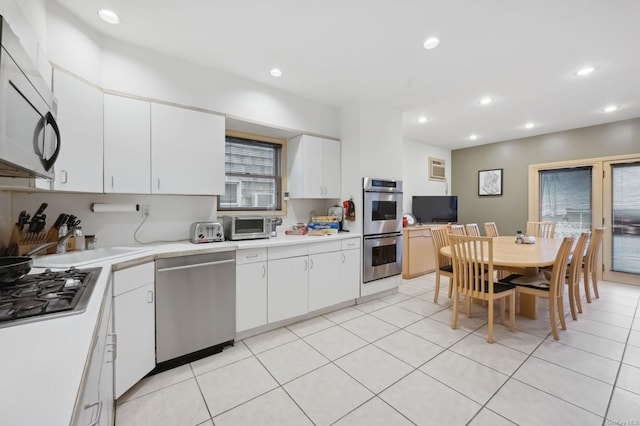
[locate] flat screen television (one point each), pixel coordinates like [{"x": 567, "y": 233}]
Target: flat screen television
[{"x": 435, "y": 208}]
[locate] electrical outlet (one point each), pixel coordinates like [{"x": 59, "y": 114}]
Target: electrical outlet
[{"x": 144, "y": 208}]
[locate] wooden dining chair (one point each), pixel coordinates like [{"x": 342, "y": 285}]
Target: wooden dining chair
[
  {"x": 573, "y": 276},
  {"x": 590, "y": 263},
  {"x": 473, "y": 277},
  {"x": 551, "y": 288},
  {"x": 541, "y": 229},
  {"x": 472, "y": 229},
  {"x": 440, "y": 238},
  {"x": 491, "y": 229},
  {"x": 458, "y": 229}
]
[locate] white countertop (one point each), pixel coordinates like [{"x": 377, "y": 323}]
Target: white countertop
[{"x": 42, "y": 363}]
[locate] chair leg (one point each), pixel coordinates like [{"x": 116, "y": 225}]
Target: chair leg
[
  {"x": 552, "y": 318},
  {"x": 560, "y": 304},
  {"x": 435, "y": 295},
  {"x": 454, "y": 312},
  {"x": 503, "y": 311},
  {"x": 450, "y": 287},
  {"x": 572, "y": 301},
  {"x": 467, "y": 306},
  {"x": 512, "y": 312},
  {"x": 595, "y": 283},
  {"x": 576, "y": 295},
  {"x": 490, "y": 325},
  {"x": 587, "y": 292}
]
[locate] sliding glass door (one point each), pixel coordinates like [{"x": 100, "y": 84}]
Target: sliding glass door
[{"x": 622, "y": 203}]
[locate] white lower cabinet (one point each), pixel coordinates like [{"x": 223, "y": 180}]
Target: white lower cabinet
[
  {"x": 288, "y": 288},
  {"x": 324, "y": 278},
  {"x": 251, "y": 288},
  {"x": 134, "y": 325},
  {"x": 95, "y": 404}
]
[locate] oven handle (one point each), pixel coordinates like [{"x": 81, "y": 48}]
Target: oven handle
[{"x": 382, "y": 236}]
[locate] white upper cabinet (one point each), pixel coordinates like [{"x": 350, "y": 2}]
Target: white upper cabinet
[
  {"x": 187, "y": 155},
  {"x": 127, "y": 145},
  {"x": 153, "y": 148},
  {"x": 79, "y": 165},
  {"x": 313, "y": 167}
]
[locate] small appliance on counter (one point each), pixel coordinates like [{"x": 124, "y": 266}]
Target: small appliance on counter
[
  {"x": 206, "y": 232},
  {"x": 246, "y": 227}
]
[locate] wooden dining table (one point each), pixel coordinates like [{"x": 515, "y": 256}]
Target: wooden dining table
[{"x": 526, "y": 257}]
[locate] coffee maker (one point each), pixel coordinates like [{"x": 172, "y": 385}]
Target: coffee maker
[{"x": 338, "y": 212}]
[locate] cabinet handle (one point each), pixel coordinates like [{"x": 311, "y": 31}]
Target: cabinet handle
[
  {"x": 64, "y": 176},
  {"x": 97, "y": 419},
  {"x": 306, "y": 264},
  {"x": 311, "y": 262},
  {"x": 158, "y": 183},
  {"x": 344, "y": 258},
  {"x": 112, "y": 182},
  {"x": 114, "y": 346},
  {"x": 264, "y": 271},
  {"x": 150, "y": 296},
  {"x": 253, "y": 256}
]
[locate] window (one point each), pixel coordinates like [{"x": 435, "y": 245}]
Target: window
[
  {"x": 253, "y": 175},
  {"x": 565, "y": 198}
]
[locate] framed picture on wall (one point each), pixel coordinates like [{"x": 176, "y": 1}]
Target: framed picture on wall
[{"x": 490, "y": 182}]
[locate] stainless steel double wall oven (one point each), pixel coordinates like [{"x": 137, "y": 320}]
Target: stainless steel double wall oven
[{"x": 382, "y": 228}]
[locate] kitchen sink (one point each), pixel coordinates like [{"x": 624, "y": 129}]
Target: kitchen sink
[{"x": 81, "y": 258}]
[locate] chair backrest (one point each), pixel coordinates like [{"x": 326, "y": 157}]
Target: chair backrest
[
  {"x": 472, "y": 229},
  {"x": 491, "y": 229},
  {"x": 559, "y": 270},
  {"x": 440, "y": 238},
  {"x": 575, "y": 267},
  {"x": 541, "y": 229},
  {"x": 458, "y": 230},
  {"x": 591, "y": 258},
  {"x": 472, "y": 259}
]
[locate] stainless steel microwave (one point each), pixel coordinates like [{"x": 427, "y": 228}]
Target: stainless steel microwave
[
  {"x": 246, "y": 227},
  {"x": 29, "y": 135}
]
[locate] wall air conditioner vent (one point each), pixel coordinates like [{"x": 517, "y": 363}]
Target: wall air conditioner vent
[{"x": 437, "y": 169}]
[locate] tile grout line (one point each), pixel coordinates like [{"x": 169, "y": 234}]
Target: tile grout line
[{"x": 613, "y": 389}]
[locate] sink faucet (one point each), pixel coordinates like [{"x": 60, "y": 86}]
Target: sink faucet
[{"x": 62, "y": 241}]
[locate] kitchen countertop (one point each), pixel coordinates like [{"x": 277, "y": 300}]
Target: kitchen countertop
[{"x": 42, "y": 363}]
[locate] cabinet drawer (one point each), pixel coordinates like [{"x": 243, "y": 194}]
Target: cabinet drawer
[
  {"x": 325, "y": 247},
  {"x": 251, "y": 255},
  {"x": 132, "y": 278},
  {"x": 282, "y": 252},
  {"x": 350, "y": 243}
]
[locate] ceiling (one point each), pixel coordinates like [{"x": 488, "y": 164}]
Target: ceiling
[{"x": 522, "y": 54}]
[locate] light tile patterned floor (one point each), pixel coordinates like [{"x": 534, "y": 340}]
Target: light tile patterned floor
[{"x": 396, "y": 361}]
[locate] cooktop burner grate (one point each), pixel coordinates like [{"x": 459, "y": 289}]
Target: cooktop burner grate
[{"x": 46, "y": 295}]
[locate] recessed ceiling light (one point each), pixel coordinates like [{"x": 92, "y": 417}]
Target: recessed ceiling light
[
  {"x": 431, "y": 42},
  {"x": 109, "y": 16},
  {"x": 486, "y": 100},
  {"x": 473, "y": 137},
  {"x": 422, "y": 120},
  {"x": 585, "y": 71},
  {"x": 529, "y": 125},
  {"x": 611, "y": 108},
  {"x": 276, "y": 72}
]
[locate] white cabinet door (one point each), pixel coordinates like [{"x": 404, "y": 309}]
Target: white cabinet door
[
  {"x": 288, "y": 288},
  {"x": 79, "y": 164},
  {"x": 251, "y": 295},
  {"x": 350, "y": 275},
  {"x": 331, "y": 168},
  {"x": 134, "y": 324},
  {"x": 127, "y": 145},
  {"x": 106, "y": 376},
  {"x": 314, "y": 167},
  {"x": 324, "y": 278},
  {"x": 187, "y": 155}
]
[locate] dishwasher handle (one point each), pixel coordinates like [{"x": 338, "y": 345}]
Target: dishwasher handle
[{"x": 195, "y": 265}]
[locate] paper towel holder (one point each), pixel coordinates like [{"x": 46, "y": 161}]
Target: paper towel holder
[{"x": 108, "y": 208}]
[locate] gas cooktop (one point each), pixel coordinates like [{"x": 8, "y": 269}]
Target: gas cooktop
[{"x": 47, "y": 295}]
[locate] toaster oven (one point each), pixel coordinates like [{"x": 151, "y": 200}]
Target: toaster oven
[{"x": 246, "y": 227}]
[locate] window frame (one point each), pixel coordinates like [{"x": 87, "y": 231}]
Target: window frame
[{"x": 283, "y": 172}]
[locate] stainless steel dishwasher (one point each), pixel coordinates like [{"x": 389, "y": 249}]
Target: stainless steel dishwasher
[{"x": 195, "y": 305}]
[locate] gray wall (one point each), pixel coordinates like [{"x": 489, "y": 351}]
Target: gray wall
[{"x": 509, "y": 211}]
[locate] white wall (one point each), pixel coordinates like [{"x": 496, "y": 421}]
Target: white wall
[{"x": 416, "y": 171}]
